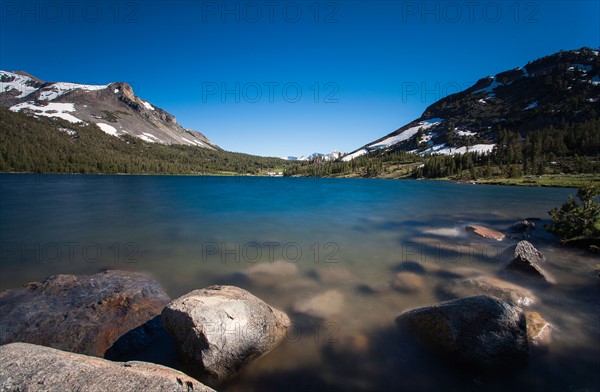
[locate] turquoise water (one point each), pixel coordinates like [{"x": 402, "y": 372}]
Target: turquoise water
[{"x": 347, "y": 236}]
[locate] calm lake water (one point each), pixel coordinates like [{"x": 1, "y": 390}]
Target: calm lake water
[{"x": 287, "y": 240}]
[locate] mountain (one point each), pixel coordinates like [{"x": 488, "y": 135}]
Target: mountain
[
  {"x": 114, "y": 108},
  {"x": 563, "y": 88},
  {"x": 332, "y": 156}
]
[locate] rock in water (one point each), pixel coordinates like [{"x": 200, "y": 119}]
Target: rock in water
[
  {"x": 485, "y": 232},
  {"x": 80, "y": 314},
  {"x": 539, "y": 331},
  {"x": 219, "y": 329},
  {"x": 477, "y": 331},
  {"x": 527, "y": 260},
  {"x": 525, "y": 251},
  {"x": 407, "y": 282},
  {"x": 322, "y": 306},
  {"x": 27, "y": 367},
  {"x": 487, "y": 285}
]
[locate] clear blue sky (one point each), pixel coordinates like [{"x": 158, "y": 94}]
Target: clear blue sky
[{"x": 376, "y": 65}]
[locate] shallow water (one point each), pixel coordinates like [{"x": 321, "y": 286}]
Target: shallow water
[{"x": 346, "y": 238}]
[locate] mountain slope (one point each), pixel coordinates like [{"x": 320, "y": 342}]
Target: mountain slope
[
  {"x": 113, "y": 108},
  {"x": 549, "y": 92}
]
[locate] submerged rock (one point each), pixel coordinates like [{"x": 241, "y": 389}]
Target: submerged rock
[
  {"x": 527, "y": 260},
  {"x": 269, "y": 274},
  {"x": 81, "y": 314},
  {"x": 486, "y": 232},
  {"x": 220, "y": 329},
  {"x": 487, "y": 285},
  {"x": 407, "y": 282},
  {"x": 478, "y": 331},
  {"x": 321, "y": 306},
  {"x": 28, "y": 367}
]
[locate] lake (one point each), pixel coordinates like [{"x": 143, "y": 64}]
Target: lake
[{"x": 289, "y": 239}]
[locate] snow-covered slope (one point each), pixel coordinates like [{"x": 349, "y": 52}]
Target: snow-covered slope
[
  {"x": 561, "y": 88},
  {"x": 112, "y": 107}
]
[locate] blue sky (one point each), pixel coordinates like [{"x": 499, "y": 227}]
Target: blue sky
[{"x": 280, "y": 78}]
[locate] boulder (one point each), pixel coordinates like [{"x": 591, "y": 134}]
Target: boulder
[
  {"x": 522, "y": 229},
  {"x": 487, "y": 285},
  {"x": 80, "y": 314},
  {"x": 149, "y": 342},
  {"x": 539, "y": 331},
  {"x": 407, "y": 282},
  {"x": 477, "y": 331},
  {"x": 28, "y": 367},
  {"x": 321, "y": 306},
  {"x": 219, "y": 329},
  {"x": 485, "y": 232},
  {"x": 524, "y": 250},
  {"x": 527, "y": 260}
]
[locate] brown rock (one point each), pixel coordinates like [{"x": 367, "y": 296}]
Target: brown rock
[
  {"x": 27, "y": 367},
  {"x": 485, "y": 232},
  {"x": 80, "y": 314},
  {"x": 539, "y": 330}
]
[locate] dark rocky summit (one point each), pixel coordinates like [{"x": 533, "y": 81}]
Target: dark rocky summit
[
  {"x": 80, "y": 314},
  {"x": 28, "y": 367},
  {"x": 219, "y": 329}
]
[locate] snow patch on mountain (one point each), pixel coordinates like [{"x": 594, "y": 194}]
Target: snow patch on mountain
[
  {"x": 109, "y": 129},
  {"x": 147, "y": 105},
  {"x": 12, "y": 81},
  {"x": 446, "y": 150},
  {"x": 52, "y": 109},
  {"x": 56, "y": 90}
]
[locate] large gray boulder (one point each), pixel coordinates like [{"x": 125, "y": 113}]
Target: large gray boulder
[
  {"x": 219, "y": 329},
  {"x": 477, "y": 331},
  {"x": 80, "y": 314},
  {"x": 28, "y": 367}
]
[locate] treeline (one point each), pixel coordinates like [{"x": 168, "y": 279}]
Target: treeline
[
  {"x": 374, "y": 164},
  {"x": 44, "y": 145},
  {"x": 574, "y": 148},
  {"x": 570, "y": 149}
]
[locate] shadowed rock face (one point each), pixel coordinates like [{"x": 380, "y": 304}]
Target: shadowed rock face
[
  {"x": 219, "y": 329},
  {"x": 27, "y": 367},
  {"x": 80, "y": 314},
  {"x": 478, "y": 331}
]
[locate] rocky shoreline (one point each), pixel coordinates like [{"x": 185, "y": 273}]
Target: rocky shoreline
[{"x": 81, "y": 332}]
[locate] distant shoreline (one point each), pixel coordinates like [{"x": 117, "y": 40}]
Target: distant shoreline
[{"x": 549, "y": 181}]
